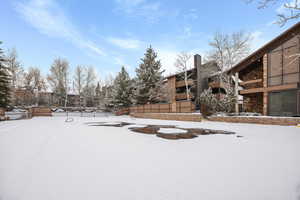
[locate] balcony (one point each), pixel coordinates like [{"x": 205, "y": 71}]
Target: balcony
[
  {"x": 182, "y": 83},
  {"x": 182, "y": 96},
  {"x": 251, "y": 86},
  {"x": 216, "y": 84}
]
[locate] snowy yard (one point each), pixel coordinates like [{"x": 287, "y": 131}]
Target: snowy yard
[{"x": 48, "y": 159}]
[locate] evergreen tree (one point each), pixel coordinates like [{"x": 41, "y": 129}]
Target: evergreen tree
[
  {"x": 98, "y": 90},
  {"x": 149, "y": 79},
  {"x": 4, "y": 82},
  {"x": 122, "y": 90},
  {"x": 98, "y": 94}
]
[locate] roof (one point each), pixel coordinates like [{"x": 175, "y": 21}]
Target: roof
[
  {"x": 208, "y": 64},
  {"x": 288, "y": 34},
  {"x": 172, "y": 75}
]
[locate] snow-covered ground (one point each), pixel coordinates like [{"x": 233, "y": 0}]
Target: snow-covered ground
[{"x": 48, "y": 159}]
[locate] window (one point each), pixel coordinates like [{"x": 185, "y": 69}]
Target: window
[{"x": 283, "y": 103}]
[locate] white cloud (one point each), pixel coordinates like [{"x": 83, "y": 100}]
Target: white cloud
[
  {"x": 258, "y": 40},
  {"x": 49, "y": 19},
  {"x": 140, "y": 8},
  {"x": 168, "y": 59},
  {"x": 120, "y": 62},
  {"x": 125, "y": 43},
  {"x": 191, "y": 15},
  {"x": 187, "y": 32}
]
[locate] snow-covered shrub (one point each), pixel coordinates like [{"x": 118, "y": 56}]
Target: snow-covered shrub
[{"x": 219, "y": 102}]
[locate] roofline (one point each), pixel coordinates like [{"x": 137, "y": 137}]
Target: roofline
[
  {"x": 194, "y": 68},
  {"x": 172, "y": 75},
  {"x": 263, "y": 50}
]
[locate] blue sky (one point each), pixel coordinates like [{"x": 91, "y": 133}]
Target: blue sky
[{"x": 112, "y": 33}]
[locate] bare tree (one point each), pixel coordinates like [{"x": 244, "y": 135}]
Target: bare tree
[
  {"x": 89, "y": 87},
  {"x": 79, "y": 78},
  {"x": 14, "y": 67},
  {"x": 291, "y": 9},
  {"x": 34, "y": 80},
  {"x": 106, "y": 99},
  {"x": 182, "y": 64},
  {"x": 58, "y": 79},
  {"x": 229, "y": 49}
]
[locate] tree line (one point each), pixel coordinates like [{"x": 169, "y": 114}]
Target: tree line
[
  {"x": 114, "y": 92},
  {"x": 120, "y": 91}
]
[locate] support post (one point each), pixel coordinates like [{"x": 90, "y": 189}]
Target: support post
[
  {"x": 236, "y": 81},
  {"x": 265, "y": 84}
]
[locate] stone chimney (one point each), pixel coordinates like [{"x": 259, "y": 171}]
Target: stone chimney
[{"x": 197, "y": 65}]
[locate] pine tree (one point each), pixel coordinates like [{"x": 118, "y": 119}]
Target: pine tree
[
  {"x": 122, "y": 89},
  {"x": 149, "y": 79},
  {"x": 4, "y": 82},
  {"x": 98, "y": 94},
  {"x": 98, "y": 90}
]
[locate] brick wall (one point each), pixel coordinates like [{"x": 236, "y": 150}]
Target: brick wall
[
  {"x": 284, "y": 121},
  {"x": 169, "y": 116}
]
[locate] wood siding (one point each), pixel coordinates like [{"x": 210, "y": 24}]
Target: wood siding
[{"x": 283, "y": 63}]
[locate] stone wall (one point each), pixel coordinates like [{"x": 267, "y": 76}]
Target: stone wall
[
  {"x": 169, "y": 116},
  {"x": 284, "y": 121}
]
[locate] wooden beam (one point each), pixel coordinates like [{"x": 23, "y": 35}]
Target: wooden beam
[
  {"x": 251, "y": 82},
  {"x": 182, "y": 83},
  {"x": 282, "y": 87},
  {"x": 217, "y": 85},
  {"x": 251, "y": 91},
  {"x": 236, "y": 91},
  {"x": 183, "y": 96},
  {"x": 270, "y": 89}
]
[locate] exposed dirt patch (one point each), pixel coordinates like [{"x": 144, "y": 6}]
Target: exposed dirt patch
[
  {"x": 190, "y": 133},
  {"x": 164, "y": 131},
  {"x": 200, "y": 131},
  {"x": 109, "y": 124},
  {"x": 176, "y": 136},
  {"x": 145, "y": 130}
]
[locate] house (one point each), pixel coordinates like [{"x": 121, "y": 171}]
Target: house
[
  {"x": 22, "y": 96},
  {"x": 270, "y": 76},
  {"x": 197, "y": 82}
]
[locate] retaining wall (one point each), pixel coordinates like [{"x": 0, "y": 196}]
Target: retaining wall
[
  {"x": 284, "y": 121},
  {"x": 41, "y": 112},
  {"x": 169, "y": 116}
]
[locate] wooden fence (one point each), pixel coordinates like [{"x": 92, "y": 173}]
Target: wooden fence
[
  {"x": 181, "y": 107},
  {"x": 2, "y": 111}
]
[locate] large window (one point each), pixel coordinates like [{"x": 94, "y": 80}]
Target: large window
[
  {"x": 283, "y": 63},
  {"x": 283, "y": 103}
]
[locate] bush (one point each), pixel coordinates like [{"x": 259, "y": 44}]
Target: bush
[{"x": 217, "y": 103}]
